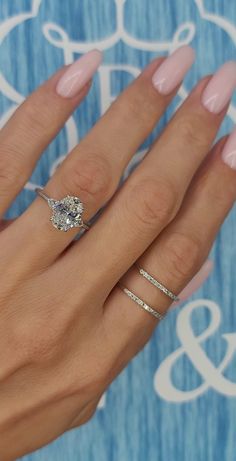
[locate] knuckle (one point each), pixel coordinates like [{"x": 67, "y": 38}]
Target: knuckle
[
  {"x": 214, "y": 189},
  {"x": 97, "y": 381},
  {"x": 90, "y": 175},
  {"x": 89, "y": 380},
  {"x": 183, "y": 255},
  {"x": 191, "y": 130},
  {"x": 10, "y": 171},
  {"x": 30, "y": 109},
  {"x": 39, "y": 344},
  {"x": 46, "y": 347},
  {"x": 151, "y": 202},
  {"x": 130, "y": 104},
  {"x": 33, "y": 118}
]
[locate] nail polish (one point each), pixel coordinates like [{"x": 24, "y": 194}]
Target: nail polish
[
  {"x": 229, "y": 151},
  {"x": 78, "y": 74},
  {"x": 220, "y": 88},
  {"x": 172, "y": 71}
]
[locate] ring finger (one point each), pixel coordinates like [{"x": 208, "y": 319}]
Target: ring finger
[
  {"x": 178, "y": 253},
  {"x": 152, "y": 195},
  {"x": 92, "y": 170}
]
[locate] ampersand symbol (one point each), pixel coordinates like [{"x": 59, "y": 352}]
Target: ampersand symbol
[{"x": 212, "y": 376}]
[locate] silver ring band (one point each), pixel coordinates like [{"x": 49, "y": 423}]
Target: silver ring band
[
  {"x": 141, "y": 303},
  {"x": 66, "y": 212},
  {"x": 157, "y": 284}
]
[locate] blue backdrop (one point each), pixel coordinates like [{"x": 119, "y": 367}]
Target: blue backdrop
[{"x": 166, "y": 405}]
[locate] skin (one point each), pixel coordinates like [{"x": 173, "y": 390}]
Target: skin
[{"x": 66, "y": 328}]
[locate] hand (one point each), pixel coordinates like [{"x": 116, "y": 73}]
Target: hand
[{"x": 66, "y": 327}]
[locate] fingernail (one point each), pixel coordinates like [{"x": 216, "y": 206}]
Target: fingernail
[
  {"x": 220, "y": 88},
  {"x": 196, "y": 282},
  {"x": 78, "y": 74},
  {"x": 172, "y": 71},
  {"x": 229, "y": 151}
]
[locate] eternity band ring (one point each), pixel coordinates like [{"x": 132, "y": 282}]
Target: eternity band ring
[
  {"x": 66, "y": 213},
  {"x": 140, "y": 302},
  {"x": 157, "y": 284}
]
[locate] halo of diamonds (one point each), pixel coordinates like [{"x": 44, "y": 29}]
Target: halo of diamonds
[{"x": 66, "y": 213}]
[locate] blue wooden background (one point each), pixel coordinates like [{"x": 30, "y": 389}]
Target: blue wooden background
[{"x": 134, "y": 421}]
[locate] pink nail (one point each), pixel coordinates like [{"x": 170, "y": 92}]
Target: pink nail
[
  {"x": 229, "y": 151},
  {"x": 220, "y": 88},
  {"x": 78, "y": 74},
  {"x": 196, "y": 282},
  {"x": 172, "y": 71}
]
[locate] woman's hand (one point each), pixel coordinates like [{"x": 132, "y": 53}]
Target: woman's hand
[{"x": 66, "y": 327}]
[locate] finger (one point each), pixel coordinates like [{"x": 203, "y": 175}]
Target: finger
[
  {"x": 86, "y": 414},
  {"x": 153, "y": 194},
  {"x": 178, "y": 253},
  {"x": 92, "y": 171},
  {"x": 34, "y": 124},
  {"x": 4, "y": 223},
  {"x": 195, "y": 283}
]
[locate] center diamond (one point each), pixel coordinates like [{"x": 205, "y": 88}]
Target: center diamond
[{"x": 67, "y": 213}]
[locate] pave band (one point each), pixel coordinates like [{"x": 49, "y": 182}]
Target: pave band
[
  {"x": 157, "y": 284},
  {"x": 141, "y": 303},
  {"x": 66, "y": 213}
]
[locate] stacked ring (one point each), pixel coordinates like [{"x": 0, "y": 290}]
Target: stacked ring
[
  {"x": 142, "y": 303},
  {"x": 157, "y": 284}
]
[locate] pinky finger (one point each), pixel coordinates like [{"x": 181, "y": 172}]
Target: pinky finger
[
  {"x": 4, "y": 223},
  {"x": 196, "y": 282},
  {"x": 177, "y": 254}
]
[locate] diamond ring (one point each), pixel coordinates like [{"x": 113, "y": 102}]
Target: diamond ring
[
  {"x": 140, "y": 302},
  {"x": 66, "y": 213},
  {"x": 157, "y": 284}
]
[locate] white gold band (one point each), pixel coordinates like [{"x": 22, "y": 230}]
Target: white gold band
[
  {"x": 141, "y": 303},
  {"x": 157, "y": 284}
]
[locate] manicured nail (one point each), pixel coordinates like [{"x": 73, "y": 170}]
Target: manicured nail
[
  {"x": 78, "y": 74},
  {"x": 172, "y": 71},
  {"x": 220, "y": 88},
  {"x": 229, "y": 151},
  {"x": 195, "y": 283}
]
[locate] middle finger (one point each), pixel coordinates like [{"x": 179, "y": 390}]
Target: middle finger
[{"x": 152, "y": 195}]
